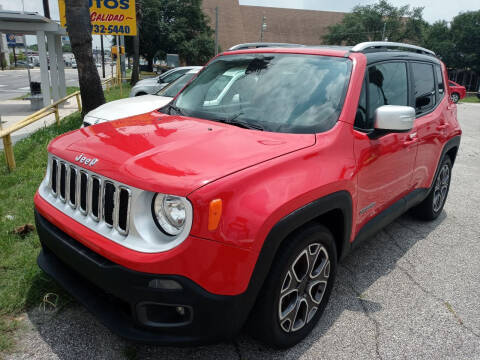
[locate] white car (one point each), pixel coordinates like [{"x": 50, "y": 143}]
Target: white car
[
  {"x": 132, "y": 106},
  {"x": 155, "y": 84}
]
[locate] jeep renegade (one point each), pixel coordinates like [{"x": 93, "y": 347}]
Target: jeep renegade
[{"x": 184, "y": 224}]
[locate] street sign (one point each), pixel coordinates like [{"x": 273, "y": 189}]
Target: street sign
[
  {"x": 108, "y": 17},
  {"x": 15, "y": 40},
  {"x": 11, "y": 40}
]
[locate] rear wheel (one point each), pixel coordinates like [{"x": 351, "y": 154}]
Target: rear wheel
[
  {"x": 455, "y": 97},
  {"x": 297, "y": 289},
  {"x": 432, "y": 206}
]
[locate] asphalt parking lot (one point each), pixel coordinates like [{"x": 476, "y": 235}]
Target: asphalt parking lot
[{"x": 412, "y": 291}]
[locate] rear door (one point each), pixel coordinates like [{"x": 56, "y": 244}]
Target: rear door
[{"x": 432, "y": 107}]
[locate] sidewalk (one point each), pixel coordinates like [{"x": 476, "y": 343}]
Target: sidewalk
[{"x": 13, "y": 111}]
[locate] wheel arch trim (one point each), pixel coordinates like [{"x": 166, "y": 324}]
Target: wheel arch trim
[{"x": 340, "y": 200}]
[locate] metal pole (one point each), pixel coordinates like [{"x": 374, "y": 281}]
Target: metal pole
[
  {"x": 103, "y": 56},
  {"x": 46, "y": 9},
  {"x": 119, "y": 74},
  {"x": 216, "y": 30},
  {"x": 28, "y": 62},
  {"x": 14, "y": 56},
  {"x": 122, "y": 57},
  {"x": 383, "y": 32},
  {"x": 263, "y": 27}
]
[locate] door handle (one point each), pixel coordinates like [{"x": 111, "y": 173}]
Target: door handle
[
  {"x": 442, "y": 127},
  {"x": 412, "y": 139}
]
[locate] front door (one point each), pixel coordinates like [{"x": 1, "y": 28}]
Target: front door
[{"x": 385, "y": 163}]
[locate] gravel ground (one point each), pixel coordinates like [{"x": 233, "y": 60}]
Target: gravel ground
[{"x": 413, "y": 291}]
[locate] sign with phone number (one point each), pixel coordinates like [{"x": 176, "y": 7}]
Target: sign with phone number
[{"x": 108, "y": 17}]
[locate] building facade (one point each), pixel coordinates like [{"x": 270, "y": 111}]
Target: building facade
[{"x": 242, "y": 23}]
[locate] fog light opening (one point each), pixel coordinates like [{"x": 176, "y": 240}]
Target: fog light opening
[{"x": 164, "y": 315}]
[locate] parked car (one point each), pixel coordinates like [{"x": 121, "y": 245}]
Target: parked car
[
  {"x": 74, "y": 64},
  {"x": 25, "y": 64},
  {"x": 457, "y": 91},
  {"x": 137, "y": 105},
  {"x": 178, "y": 225},
  {"x": 478, "y": 92},
  {"x": 154, "y": 84}
]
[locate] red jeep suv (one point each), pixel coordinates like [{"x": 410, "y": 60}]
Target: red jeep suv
[{"x": 184, "y": 224}]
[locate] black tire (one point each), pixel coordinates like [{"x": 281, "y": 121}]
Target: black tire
[
  {"x": 265, "y": 321},
  {"x": 455, "y": 97},
  {"x": 429, "y": 209}
]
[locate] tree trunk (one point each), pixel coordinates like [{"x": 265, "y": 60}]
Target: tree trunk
[
  {"x": 150, "y": 64},
  {"x": 136, "y": 45},
  {"x": 136, "y": 61},
  {"x": 80, "y": 32}
]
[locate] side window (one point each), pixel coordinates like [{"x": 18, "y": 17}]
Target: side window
[
  {"x": 440, "y": 83},
  {"x": 424, "y": 85},
  {"x": 361, "y": 121},
  {"x": 386, "y": 85}
]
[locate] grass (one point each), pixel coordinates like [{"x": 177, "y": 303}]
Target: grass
[
  {"x": 470, "y": 99},
  {"x": 22, "y": 284}
]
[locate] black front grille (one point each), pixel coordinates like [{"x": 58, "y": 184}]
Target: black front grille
[
  {"x": 123, "y": 209},
  {"x": 83, "y": 191},
  {"x": 63, "y": 179},
  {"x": 109, "y": 195},
  {"x": 92, "y": 195}
]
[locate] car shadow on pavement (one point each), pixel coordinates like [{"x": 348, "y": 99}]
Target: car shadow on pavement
[{"x": 73, "y": 333}]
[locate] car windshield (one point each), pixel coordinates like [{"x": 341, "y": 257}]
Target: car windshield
[
  {"x": 288, "y": 93},
  {"x": 174, "y": 88},
  {"x": 172, "y": 76}
]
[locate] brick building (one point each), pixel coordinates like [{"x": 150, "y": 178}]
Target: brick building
[{"x": 242, "y": 23}]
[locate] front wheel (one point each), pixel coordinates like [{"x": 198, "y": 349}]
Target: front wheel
[
  {"x": 297, "y": 289},
  {"x": 432, "y": 206},
  {"x": 455, "y": 97}
]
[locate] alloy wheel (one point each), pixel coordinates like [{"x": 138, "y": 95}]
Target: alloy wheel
[
  {"x": 303, "y": 287},
  {"x": 441, "y": 187}
]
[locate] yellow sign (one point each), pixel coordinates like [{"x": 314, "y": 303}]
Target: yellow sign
[
  {"x": 115, "y": 51},
  {"x": 108, "y": 17}
]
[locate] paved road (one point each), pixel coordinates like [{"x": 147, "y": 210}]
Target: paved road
[
  {"x": 14, "y": 83},
  {"x": 412, "y": 291}
]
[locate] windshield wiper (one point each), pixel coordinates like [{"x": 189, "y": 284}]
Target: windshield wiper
[
  {"x": 174, "y": 108},
  {"x": 245, "y": 124}
]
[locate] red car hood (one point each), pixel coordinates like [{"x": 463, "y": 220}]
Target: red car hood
[{"x": 172, "y": 154}]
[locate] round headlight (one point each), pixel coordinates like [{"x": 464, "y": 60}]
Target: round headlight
[{"x": 170, "y": 212}]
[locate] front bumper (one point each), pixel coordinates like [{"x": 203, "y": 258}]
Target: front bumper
[{"x": 123, "y": 300}]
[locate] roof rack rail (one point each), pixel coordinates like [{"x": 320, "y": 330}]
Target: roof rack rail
[
  {"x": 387, "y": 44},
  {"x": 262, "y": 44}
]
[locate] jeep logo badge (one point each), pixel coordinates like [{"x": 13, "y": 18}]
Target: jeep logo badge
[{"x": 82, "y": 159}]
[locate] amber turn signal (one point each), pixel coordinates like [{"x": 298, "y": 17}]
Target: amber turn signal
[{"x": 214, "y": 214}]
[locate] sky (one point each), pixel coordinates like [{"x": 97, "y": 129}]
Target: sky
[{"x": 434, "y": 9}]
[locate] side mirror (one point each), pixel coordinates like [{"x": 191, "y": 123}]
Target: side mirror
[
  {"x": 160, "y": 80},
  {"x": 394, "y": 118}
]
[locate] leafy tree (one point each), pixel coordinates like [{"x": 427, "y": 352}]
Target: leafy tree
[
  {"x": 79, "y": 30},
  {"x": 465, "y": 29},
  {"x": 378, "y": 22},
  {"x": 438, "y": 38},
  {"x": 174, "y": 27}
]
